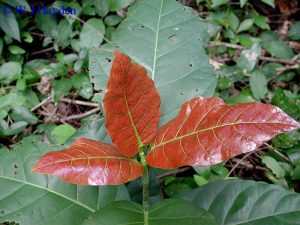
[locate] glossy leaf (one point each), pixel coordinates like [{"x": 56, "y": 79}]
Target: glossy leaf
[
  {"x": 241, "y": 202},
  {"x": 167, "y": 39},
  {"x": 29, "y": 198},
  {"x": 131, "y": 104},
  {"x": 206, "y": 132},
  {"x": 89, "y": 162},
  {"x": 167, "y": 212}
]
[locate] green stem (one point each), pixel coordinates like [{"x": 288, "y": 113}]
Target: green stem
[{"x": 145, "y": 183}]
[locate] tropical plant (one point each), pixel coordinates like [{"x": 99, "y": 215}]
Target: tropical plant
[{"x": 205, "y": 132}]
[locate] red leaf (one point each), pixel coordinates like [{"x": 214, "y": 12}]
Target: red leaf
[
  {"x": 206, "y": 132},
  {"x": 131, "y": 105},
  {"x": 89, "y": 162}
]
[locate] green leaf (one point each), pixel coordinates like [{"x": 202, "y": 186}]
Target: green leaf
[
  {"x": 269, "y": 2},
  {"x": 294, "y": 32},
  {"x": 9, "y": 130},
  {"x": 177, "y": 190},
  {"x": 22, "y": 113},
  {"x": 21, "y": 84},
  {"x": 115, "y": 5},
  {"x": 286, "y": 140},
  {"x": 64, "y": 31},
  {"x": 168, "y": 40},
  {"x": 286, "y": 102},
  {"x": 12, "y": 99},
  {"x": 16, "y": 50},
  {"x": 92, "y": 129},
  {"x": 267, "y": 37},
  {"x": 22, "y": 3},
  {"x": 258, "y": 84},
  {"x": 261, "y": 21},
  {"x": 92, "y": 33},
  {"x": 63, "y": 132},
  {"x": 1, "y": 46},
  {"x": 248, "y": 58},
  {"x": 233, "y": 21},
  {"x": 279, "y": 49},
  {"x": 243, "y": 2},
  {"x": 82, "y": 83},
  {"x": 295, "y": 174},
  {"x": 167, "y": 212},
  {"x": 112, "y": 20},
  {"x": 47, "y": 24},
  {"x": 9, "y": 24},
  {"x": 10, "y": 72},
  {"x": 29, "y": 198},
  {"x": 27, "y": 37},
  {"x": 274, "y": 166},
  {"x": 237, "y": 202},
  {"x": 200, "y": 180},
  {"x": 216, "y": 3},
  {"x": 61, "y": 87},
  {"x": 245, "y": 25}
]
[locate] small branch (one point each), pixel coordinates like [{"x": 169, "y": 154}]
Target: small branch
[
  {"x": 224, "y": 44},
  {"x": 43, "y": 51},
  {"x": 248, "y": 165},
  {"x": 79, "y": 102},
  {"x": 283, "y": 69},
  {"x": 173, "y": 172},
  {"x": 264, "y": 58},
  {"x": 284, "y": 61},
  {"x": 48, "y": 99},
  {"x": 82, "y": 115},
  {"x": 277, "y": 152},
  {"x": 239, "y": 162}
]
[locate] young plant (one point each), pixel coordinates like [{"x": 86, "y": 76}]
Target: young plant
[{"x": 205, "y": 132}]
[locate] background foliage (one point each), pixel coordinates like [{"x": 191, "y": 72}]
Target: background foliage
[{"x": 53, "y": 70}]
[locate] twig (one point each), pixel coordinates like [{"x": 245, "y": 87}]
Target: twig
[
  {"x": 228, "y": 45},
  {"x": 284, "y": 61},
  {"x": 264, "y": 58},
  {"x": 43, "y": 51},
  {"x": 239, "y": 162},
  {"x": 181, "y": 170},
  {"x": 82, "y": 115},
  {"x": 283, "y": 69},
  {"x": 247, "y": 165},
  {"x": 49, "y": 98},
  {"x": 277, "y": 152},
  {"x": 37, "y": 34},
  {"x": 79, "y": 102}
]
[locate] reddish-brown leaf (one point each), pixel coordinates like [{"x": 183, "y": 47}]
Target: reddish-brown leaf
[
  {"x": 89, "y": 162},
  {"x": 206, "y": 132},
  {"x": 131, "y": 105}
]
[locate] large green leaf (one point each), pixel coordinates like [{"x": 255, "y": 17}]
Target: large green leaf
[
  {"x": 167, "y": 39},
  {"x": 29, "y": 198},
  {"x": 168, "y": 212},
  {"x": 235, "y": 202},
  {"x": 93, "y": 128}
]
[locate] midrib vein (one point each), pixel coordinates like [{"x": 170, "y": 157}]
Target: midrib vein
[
  {"x": 211, "y": 128},
  {"x": 156, "y": 41},
  {"x": 140, "y": 143}
]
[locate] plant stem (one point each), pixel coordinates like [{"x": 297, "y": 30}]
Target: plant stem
[{"x": 145, "y": 183}]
